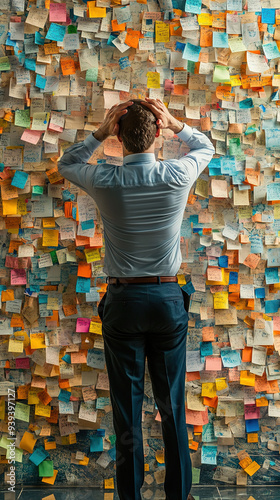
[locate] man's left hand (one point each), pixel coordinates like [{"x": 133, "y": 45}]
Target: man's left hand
[{"x": 110, "y": 125}]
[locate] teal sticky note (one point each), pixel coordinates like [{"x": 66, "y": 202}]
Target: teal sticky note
[
  {"x": 38, "y": 456},
  {"x": 56, "y": 32},
  {"x": 19, "y": 179},
  {"x": 96, "y": 443},
  {"x": 37, "y": 189},
  {"x": 191, "y": 52}
]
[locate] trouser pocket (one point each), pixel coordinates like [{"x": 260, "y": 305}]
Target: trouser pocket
[
  {"x": 186, "y": 299},
  {"x": 100, "y": 307}
]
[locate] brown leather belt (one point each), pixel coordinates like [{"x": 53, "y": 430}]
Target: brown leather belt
[{"x": 142, "y": 279}]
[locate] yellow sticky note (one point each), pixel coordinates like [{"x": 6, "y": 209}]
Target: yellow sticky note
[
  {"x": 42, "y": 410},
  {"x": 33, "y": 396},
  {"x": 94, "y": 11},
  {"x": 221, "y": 384},
  {"x": 161, "y": 32},
  {"x": 181, "y": 279},
  {"x": 48, "y": 222},
  {"x": 92, "y": 254},
  {"x": 85, "y": 461},
  {"x": 37, "y": 340},
  {"x": 252, "y": 468},
  {"x": 160, "y": 456},
  {"x": 235, "y": 80},
  {"x": 247, "y": 378},
  {"x": 153, "y": 80},
  {"x": 276, "y": 211},
  {"x": 10, "y": 206},
  {"x": 2, "y": 409},
  {"x": 15, "y": 345},
  {"x": 208, "y": 390},
  {"x": 95, "y": 327},
  {"x": 109, "y": 483},
  {"x": 50, "y": 237},
  {"x": 221, "y": 300},
  {"x": 204, "y": 19},
  {"x": 27, "y": 442}
]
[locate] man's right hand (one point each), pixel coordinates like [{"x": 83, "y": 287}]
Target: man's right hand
[{"x": 164, "y": 118}]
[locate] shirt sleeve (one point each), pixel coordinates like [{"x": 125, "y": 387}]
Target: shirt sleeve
[
  {"x": 200, "y": 154},
  {"x": 73, "y": 164}
]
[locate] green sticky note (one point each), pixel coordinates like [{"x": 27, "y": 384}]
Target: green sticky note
[
  {"x": 221, "y": 74},
  {"x": 22, "y": 412},
  {"x": 91, "y": 75},
  {"x": 5, "y": 64},
  {"x": 195, "y": 475},
  {"x": 234, "y": 146},
  {"x": 37, "y": 189},
  {"x": 72, "y": 29},
  {"x": 22, "y": 118},
  {"x": 46, "y": 468},
  {"x": 54, "y": 257},
  {"x": 191, "y": 67}
]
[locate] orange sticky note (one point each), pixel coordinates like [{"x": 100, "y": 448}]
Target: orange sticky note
[
  {"x": 84, "y": 270},
  {"x": 252, "y": 468},
  {"x": 50, "y": 480},
  {"x": 68, "y": 66},
  {"x": 7, "y": 295},
  {"x": 27, "y": 442}
]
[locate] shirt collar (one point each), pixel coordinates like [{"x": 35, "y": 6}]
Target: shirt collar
[{"x": 139, "y": 158}]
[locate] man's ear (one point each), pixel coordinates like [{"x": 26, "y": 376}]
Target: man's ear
[
  {"x": 119, "y": 138},
  {"x": 157, "y": 132}
]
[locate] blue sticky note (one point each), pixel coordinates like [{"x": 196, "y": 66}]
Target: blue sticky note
[
  {"x": 206, "y": 348},
  {"x": 223, "y": 261},
  {"x": 96, "y": 443},
  {"x": 19, "y": 179},
  {"x": 272, "y": 306},
  {"x": 191, "y": 52},
  {"x": 82, "y": 285},
  {"x": 220, "y": 39},
  {"x": 252, "y": 425},
  {"x": 230, "y": 358},
  {"x": 271, "y": 50},
  {"x": 268, "y": 16},
  {"x": 40, "y": 81},
  {"x": 64, "y": 395},
  {"x": 2, "y": 166},
  {"x": 56, "y": 32},
  {"x": 260, "y": 293},
  {"x": 180, "y": 46},
  {"x": 273, "y": 191},
  {"x": 112, "y": 453},
  {"x": 38, "y": 455},
  {"x": 233, "y": 278}
]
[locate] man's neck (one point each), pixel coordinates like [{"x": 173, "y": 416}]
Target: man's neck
[{"x": 149, "y": 150}]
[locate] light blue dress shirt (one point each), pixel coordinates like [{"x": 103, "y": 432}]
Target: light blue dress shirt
[{"x": 141, "y": 202}]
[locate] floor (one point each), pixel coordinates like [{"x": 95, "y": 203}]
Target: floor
[{"x": 198, "y": 492}]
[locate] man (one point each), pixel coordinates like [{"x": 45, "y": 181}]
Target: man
[{"x": 141, "y": 204}]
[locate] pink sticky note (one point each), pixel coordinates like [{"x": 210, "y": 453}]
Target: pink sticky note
[
  {"x": 57, "y": 12},
  {"x": 82, "y": 325},
  {"x": 213, "y": 363},
  {"x": 276, "y": 323},
  {"x": 22, "y": 363},
  {"x": 31, "y": 136},
  {"x": 18, "y": 277},
  {"x": 251, "y": 411}
]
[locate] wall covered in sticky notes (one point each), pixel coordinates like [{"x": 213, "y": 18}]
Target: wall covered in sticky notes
[{"x": 216, "y": 66}]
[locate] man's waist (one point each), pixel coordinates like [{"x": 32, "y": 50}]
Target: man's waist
[{"x": 141, "y": 279}]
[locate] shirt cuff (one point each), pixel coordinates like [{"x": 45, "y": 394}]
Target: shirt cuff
[
  {"x": 185, "y": 133},
  {"x": 91, "y": 142}
]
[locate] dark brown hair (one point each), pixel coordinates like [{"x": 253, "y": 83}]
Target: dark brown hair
[{"x": 137, "y": 128}]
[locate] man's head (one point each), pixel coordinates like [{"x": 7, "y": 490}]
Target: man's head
[{"x": 137, "y": 128}]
